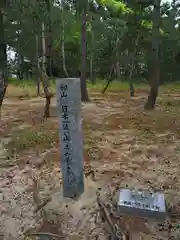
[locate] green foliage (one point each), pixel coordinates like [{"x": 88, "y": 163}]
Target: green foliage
[
  {"x": 117, "y": 6},
  {"x": 112, "y": 30}
]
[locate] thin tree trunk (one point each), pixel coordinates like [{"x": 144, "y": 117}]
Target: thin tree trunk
[
  {"x": 3, "y": 58},
  {"x": 117, "y": 68},
  {"x": 109, "y": 81},
  {"x": 131, "y": 86},
  {"x": 84, "y": 92},
  {"x": 47, "y": 94},
  {"x": 132, "y": 59},
  {"x": 92, "y": 78},
  {"x": 155, "y": 76},
  {"x": 131, "y": 63},
  {"x": 37, "y": 67},
  {"x": 118, "y": 72},
  {"x": 107, "y": 85},
  {"x": 49, "y": 39},
  {"x": 22, "y": 70},
  {"x": 20, "y": 63},
  {"x": 63, "y": 34}
]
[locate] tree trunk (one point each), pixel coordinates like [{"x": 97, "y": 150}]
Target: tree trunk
[
  {"x": 109, "y": 81},
  {"x": 63, "y": 34},
  {"x": 117, "y": 66},
  {"x": 84, "y": 92},
  {"x": 129, "y": 77},
  {"x": 92, "y": 78},
  {"x": 132, "y": 61},
  {"x": 130, "y": 81},
  {"x": 20, "y": 63},
  {"x": 3, "y": 58},
  {"x": 44, "y": 76},
  {"x": 49, "y": 39},
  {"x": 107, "y": 85},
  {"x": 118, "y": 71},
  {"x": 37, "y": 67},
  {"x": 131, "y": 88},
  {"x": 155, "y": 76},
  {"x": 22, "y": 70}
]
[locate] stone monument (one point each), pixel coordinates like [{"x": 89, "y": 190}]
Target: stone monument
[{"x": 71, "y": 140}]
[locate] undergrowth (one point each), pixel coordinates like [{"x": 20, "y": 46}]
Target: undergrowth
[{"x": 35, "y": 137}]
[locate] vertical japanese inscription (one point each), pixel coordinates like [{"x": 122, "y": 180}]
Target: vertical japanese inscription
[
  {"x": 65, "y": 127},
  {"x": 68, "y": 99}
]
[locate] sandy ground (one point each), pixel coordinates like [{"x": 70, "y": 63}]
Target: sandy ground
[{"x": 123, "y": 145}]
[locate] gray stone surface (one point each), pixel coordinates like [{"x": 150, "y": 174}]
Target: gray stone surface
[
  {"x": 71, "y": 141},
  {"x": 142, "y": 203}
]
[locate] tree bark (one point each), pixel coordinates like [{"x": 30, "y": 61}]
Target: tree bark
[
  {"x": 109, "y": 81},
  {"x": 92, "y": 78},
  {"x": 22, "y": 66},
  {"x": 118, "y": 72},
  {"x": 128, "y": 73},
  {"x": 49, "y": 38},
  {"x": 107, "y": 85},
  {"x": 44, "y": 76},
  {"x": 63, "y": 34},
  {"x": 20, "y": 63},
  {"x": 3, "y": 57},
  {"x": 155, "y": 76},
  {"x": 84, "y": 92},
  {"x": 37, "y": 67},
  {"x": 132, "y": 61},
  {"x": 131, "y": 88}
]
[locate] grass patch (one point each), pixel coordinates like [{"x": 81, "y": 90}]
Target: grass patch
[
  {"x": 44, "y": 136},
  {"x": 24, "y": 82},
  {"x": 27, "y": 88},
  {"x": 114, "y": 86},
  {"x": 171, "y": 86},
  {"x": 26, "y": 91},
  {"x": 41, "y": 136}
]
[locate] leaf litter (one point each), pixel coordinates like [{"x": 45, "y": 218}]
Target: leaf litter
[{"x": 30, "y": 193}]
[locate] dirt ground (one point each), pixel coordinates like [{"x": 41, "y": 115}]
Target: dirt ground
[{"x": 123, "y": 146}]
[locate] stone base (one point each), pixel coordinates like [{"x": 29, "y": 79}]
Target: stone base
[{"x": 73, "y": 214}]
